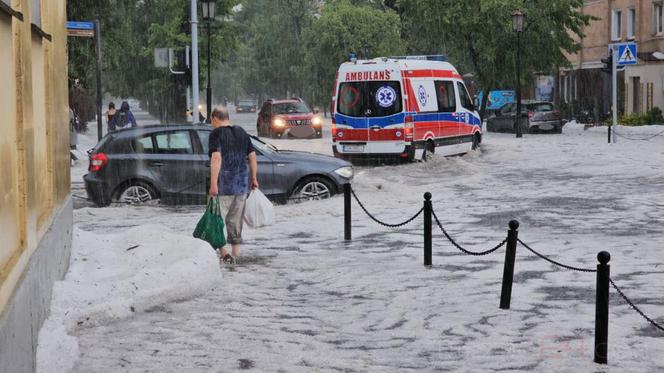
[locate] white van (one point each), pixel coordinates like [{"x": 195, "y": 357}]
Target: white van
[{"x": 402, "y": 107}]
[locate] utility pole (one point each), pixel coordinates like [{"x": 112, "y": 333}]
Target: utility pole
[
  {"x": 614, "y": 89},
  {"x": 194, "y": 60},
  {"x": 98, "y": 74}
]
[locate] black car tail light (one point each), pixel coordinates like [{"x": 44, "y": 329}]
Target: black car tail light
[{"x": 97, "y": 162}]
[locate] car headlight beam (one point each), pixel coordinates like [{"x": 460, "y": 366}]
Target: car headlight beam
[
  {"x": 316, "y": 121},
  {"x": 346, "y": 172},
  {"x": 279, "y": 122}
]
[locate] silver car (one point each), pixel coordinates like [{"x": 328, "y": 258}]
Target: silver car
[{"x": 170, "y": 162}]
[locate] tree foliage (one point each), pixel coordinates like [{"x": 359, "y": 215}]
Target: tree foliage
[
  {"x": 344, "y": 27},
  {"x": 130, "y": 31},
  {"x": 477, "y": 35},
  {"x": 275, "y": 48}
]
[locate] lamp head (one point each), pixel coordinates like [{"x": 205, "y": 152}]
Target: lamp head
[{"x": 517, "y": 21}]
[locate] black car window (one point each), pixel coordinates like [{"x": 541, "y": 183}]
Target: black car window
[
  {"x": 508, "y": 108},
  {"x": 463, "y": 97},
  {"x": 540, "y": 107},
  {"x": 143, "y": 145},
  {"x": 290, "y": 108},
  {"x": 204, "y": 137},
  {"x": 446, "y": 97},
  {"x": 370, "y": 99},
  {"x": 177, "y": 142}
]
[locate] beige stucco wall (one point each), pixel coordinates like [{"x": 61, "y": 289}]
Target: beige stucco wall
[{"x": 34, "y": 156}]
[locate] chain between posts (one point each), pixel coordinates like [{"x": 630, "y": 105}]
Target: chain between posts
[
  {"x": 631, "y": 304},
  {"x": 638, "y": 139},
  {"x": 380, "y": 222},
  {"x": 449, "y": 238},
  {"x": 553, "y": 261}
]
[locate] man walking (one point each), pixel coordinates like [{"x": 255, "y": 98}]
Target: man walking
[{"x": 230, "y": 178}]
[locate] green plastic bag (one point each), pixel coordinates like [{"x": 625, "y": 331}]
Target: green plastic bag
[{"x": 211, "y": 226}]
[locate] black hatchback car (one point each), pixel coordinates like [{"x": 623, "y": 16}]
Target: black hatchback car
[{"x": 170, "y": 162}]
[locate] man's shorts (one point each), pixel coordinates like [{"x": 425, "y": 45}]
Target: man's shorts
[{"x": 232, "y": 209}]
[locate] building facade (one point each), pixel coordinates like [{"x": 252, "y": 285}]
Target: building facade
[
  {"x": 640, "y": 87},
  {"x": 35, "y": 200}
]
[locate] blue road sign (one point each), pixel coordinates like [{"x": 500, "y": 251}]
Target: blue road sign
[
  {"x": 626, "y": 53},
  {"x": 76, "y": 25}
]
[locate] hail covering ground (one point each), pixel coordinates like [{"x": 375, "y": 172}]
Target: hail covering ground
[{"x": 303, "y": 300}]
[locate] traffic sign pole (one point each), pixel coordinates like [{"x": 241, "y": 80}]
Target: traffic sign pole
[{"x": 614, "y": 89}]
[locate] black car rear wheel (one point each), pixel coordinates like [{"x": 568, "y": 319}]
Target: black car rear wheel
[
  {"x": 137, "y": 193},
  {"x": 313, "y": 189}
]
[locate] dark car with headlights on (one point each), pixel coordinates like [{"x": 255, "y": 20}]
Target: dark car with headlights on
[
  {"x": 246, "y": 106},
  {"x": 536, "y": 116},
  {"x": 171, "y": 163},
  {"x": 288, "y": 118}
]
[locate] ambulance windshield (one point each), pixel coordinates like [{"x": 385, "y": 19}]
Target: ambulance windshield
[{"x": 369, "y": 99}]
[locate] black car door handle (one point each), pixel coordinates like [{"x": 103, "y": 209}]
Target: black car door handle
[{"x": 156, "y": 164}]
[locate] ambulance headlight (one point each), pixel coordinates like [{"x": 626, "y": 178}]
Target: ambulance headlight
[
  {"x": 279, "y": 123},
  {"x": 316, "y": 121},
  {"x": 346, "y": 172}
]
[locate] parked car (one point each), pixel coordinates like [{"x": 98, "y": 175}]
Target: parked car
[
  {"x": 246, "y": 106},
  {"x": 288, "y": 118},
  {"x": 171, "y": 163},
  {"x": 536, "y": 116}
]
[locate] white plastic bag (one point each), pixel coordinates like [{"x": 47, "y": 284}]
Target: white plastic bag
[{"x": 259, "y": 211}]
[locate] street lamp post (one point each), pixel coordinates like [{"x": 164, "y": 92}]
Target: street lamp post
[
  {"x": 517, "y": 26},
  {"x": 208, "y": 15}
]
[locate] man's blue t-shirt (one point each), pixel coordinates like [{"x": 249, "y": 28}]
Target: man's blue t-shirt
[{"x": 234, "y": 145}]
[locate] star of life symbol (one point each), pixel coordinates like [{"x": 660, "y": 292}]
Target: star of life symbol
[
  {"x": 385, "y": 96},
  {"x": 422, "y": 95}
]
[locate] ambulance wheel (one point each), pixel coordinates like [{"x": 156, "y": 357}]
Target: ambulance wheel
[
  {"x": 429, "y": 151},
  {"x": 476, "y": 141}
]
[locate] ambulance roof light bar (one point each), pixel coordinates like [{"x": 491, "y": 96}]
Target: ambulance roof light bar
[{"x": 430, "y": 57}]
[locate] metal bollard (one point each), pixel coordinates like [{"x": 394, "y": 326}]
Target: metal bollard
[
  {"x": 347, "y": 222},
  {"x": 427, "y": 228},
  {"x": 602, "y": 308},
  {"x": 508, "y": 271}
]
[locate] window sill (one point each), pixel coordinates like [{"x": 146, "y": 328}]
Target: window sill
[
  {"x": 41, "y": 33},
  {"x": 4, "y": 8},
  {"x": 616, "y": 40}
]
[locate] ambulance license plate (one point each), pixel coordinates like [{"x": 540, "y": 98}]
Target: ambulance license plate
[{"x": 353, "y": 148}]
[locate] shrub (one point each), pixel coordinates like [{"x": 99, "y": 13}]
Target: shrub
[{"x": 653, "y": 116}]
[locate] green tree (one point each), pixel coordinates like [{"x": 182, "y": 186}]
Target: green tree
[
  {"x": 477, "y": 35},
  {"x": 130, "y": 30},
  {"x": 341, "y": 28}
]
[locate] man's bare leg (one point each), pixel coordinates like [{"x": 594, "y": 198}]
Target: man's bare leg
[{"x": 236, "y": 250}]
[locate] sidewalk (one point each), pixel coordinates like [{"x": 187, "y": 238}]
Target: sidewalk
[{"x": 302, "y": 300}]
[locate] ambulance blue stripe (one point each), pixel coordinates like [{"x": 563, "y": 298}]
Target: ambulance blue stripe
[{"x": 360, "y": 123}]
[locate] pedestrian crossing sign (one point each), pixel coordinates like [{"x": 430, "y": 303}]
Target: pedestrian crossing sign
[{"x": 626, "y": 53}]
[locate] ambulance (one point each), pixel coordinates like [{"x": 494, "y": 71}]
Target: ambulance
[{"x": 402, "y": 107}]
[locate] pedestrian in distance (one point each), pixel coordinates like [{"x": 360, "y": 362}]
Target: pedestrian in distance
[
  {"x": 123, "y": 118},
  {"x": 233, "y": 171},
  {"x": 110, "y": 113}
]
